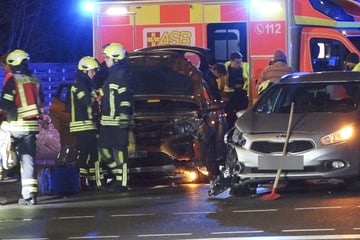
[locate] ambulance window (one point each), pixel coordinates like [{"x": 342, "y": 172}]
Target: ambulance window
[
  {"x": 225, "y": 38},
  {"x": 327, "y": 54},
  {"x": 355, "y": 40}
]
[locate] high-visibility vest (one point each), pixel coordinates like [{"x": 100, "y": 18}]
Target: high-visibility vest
[
  {"x": 27, "y": 96},
  {"x": 225, "y": 86}
]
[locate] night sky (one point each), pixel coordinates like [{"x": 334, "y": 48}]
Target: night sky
[{"x": 56, "y": 32}]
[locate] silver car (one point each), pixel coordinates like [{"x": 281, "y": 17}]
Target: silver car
[{"x": 323, "y": 143}]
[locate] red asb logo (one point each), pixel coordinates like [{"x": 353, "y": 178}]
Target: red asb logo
[{"x": 152, "y": 39}]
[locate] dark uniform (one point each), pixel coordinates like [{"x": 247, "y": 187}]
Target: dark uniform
[
  {"x": 115, "y": 115},
  {"x": 22, "y": 100},
  {"x": 238, "y": 99},
  {"x": 84, "y": 129}
]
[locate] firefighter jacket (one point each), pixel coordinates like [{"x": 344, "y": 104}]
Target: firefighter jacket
[
  {"x": 22, "y": 100},
  {"x": 116, "y": 101},
  {"x": 81, "y": 99},
  {"x": 356, "y": 67},
  {"x": 228, "y": 83}
]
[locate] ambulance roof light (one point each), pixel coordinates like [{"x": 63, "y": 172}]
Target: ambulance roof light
[
  {"x": 266, "y": 6},
  {"x": 88, "y": 6}
]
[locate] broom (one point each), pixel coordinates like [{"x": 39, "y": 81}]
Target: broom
[{"x": 273, "y": 195}]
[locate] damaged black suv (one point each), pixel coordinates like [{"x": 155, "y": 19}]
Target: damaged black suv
[{"x": 177, "y": 124}]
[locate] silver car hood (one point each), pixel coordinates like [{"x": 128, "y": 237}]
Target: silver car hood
[{"x": 310, "y": 122}]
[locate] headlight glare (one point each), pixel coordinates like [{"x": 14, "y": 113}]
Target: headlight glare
[{"x": 338, "y": 136}]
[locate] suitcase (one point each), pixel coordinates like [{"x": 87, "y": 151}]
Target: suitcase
[{"x": 59, "y": 180}]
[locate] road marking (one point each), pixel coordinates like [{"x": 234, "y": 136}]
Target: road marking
[
  {"x": 300, "y": 237},
  {"x": 309, "y": 230},
  {"x": 74, "y": 217},
  {"x": 95, "y": 237},
  {"x": 133, "y": 215},
  {"x": 184, "y": 213},
  {"x": 165, "y": 235},
  {"x": 317, "y": 208},
  {"x": 24, "y": 239},
  {"x": 255, "y": 210},
  {"x": 237, "y": 232}
]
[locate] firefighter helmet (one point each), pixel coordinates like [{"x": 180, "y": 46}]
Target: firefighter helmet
[
  {"x": 16, "y": 57},
  {"x": 263, "y": 86},
  {"x": 87, "y": 63},
  {"x": 115, "y": 51}
]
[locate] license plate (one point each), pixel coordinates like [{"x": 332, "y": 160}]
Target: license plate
[
  {"x": 138, "y": 154},
  {"x": 281, "y": 162}
]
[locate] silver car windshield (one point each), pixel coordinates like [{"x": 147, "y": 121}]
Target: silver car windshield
[{"x": 310, "y": 97}]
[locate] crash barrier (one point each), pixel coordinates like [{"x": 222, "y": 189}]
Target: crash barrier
[{"x": 51, "y": 76}]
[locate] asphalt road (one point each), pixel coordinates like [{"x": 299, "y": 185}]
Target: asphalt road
[{"x": 183, "y": 212}]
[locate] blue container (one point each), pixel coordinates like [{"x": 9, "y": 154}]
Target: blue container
[{"x": 59, "y": 180}]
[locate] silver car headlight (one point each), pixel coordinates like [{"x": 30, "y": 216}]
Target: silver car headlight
[
  {"x": 235, "y": 136},
  {"x": 341, "y": 135}
]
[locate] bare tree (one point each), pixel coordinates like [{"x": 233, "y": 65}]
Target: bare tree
[
  {"x": 49, "y": 30},
  {"x": 21, "y": 19}
]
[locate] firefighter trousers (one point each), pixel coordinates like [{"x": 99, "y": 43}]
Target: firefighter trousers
[
  {"x": 25, "y": 146},
  {"x": 116, "y": 160},
  {"x": 88, "y": 160}
]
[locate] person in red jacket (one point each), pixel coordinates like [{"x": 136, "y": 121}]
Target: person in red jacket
[{"x": 22, "y": 100}]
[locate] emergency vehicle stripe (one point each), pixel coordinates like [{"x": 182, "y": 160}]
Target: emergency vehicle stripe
[
  {"x": 167, "y": 13},
  {"x": 146, "y": 14},
  {"x": 186, "y": 13}
]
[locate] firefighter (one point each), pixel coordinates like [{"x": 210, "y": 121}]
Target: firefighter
[
  {"x": 351, "y": 62},
  {"x": 22, "y": 99},
  {"x": 236, "y": 86},
  {"x": 82, "y": 98},
  {"x": 116, "y": 108}
]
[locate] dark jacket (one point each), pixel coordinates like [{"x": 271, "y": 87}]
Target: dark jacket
[
  {"x": 81, "y": 100},
  {"x": 116, "y": 107}
]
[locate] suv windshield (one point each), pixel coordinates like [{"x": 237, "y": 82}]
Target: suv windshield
[{"x": 310, "y": 97}]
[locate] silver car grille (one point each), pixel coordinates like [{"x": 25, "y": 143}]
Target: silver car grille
[{"x": 272, "y": 147}]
